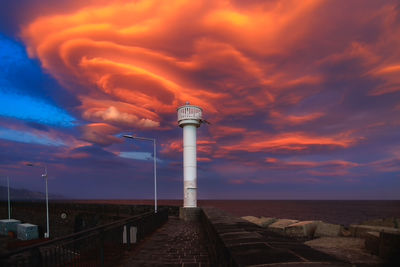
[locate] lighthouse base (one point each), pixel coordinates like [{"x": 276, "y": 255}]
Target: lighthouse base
[{"x": 189, "y": 214}]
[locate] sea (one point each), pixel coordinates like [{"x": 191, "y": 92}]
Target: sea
[{"x": 343, "y": 212}]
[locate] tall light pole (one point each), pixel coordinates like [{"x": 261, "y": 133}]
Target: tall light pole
[
  {"x": 44, "y": 175},
  {"x": 155, "y": 164}
]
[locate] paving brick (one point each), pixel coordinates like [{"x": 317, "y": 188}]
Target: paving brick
[{"x": 177, "y": 243}]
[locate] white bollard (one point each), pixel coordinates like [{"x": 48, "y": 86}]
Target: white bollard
[{"x": 132, "y": 235}]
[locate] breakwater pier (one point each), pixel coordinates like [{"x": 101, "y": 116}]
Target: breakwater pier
[{"x": 133, "y": 235}]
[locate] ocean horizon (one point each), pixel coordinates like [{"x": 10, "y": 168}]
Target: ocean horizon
[{"x": 343, "y": 212}]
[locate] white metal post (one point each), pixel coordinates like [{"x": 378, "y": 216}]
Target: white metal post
[
  {"x": 155, "y": 175},
  {"x": 154, "y": 165},
  {"x": 47, "y": 234},
  {"x": 44, "y": 175}
]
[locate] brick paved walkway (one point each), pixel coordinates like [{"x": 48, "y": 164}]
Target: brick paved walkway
[{"x": 176, "y": 243}]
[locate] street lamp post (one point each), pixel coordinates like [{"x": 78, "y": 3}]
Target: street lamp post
[
  {"x": 44, "y": 175},
  {"x": 155, "y": 164}
]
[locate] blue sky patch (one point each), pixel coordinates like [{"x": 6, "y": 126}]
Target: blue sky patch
[
  {"x": 138, "y": 155},
  {"x": 14, "y": 105},
  {"x": 21, "y": 88}
]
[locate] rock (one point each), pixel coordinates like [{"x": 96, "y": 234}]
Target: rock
[
  {"x": 265, "y": 222},
  {"x": 361, "y": 230},
  {"x": 281, "y": 224},
  {"x": 252, "y": 219},
  {"x": 389, "y": 247},
  {"x": 372, "y": 242},
  {"x": 328, "y": 229},
  {"x": 348, "y": 249},
  {"x": 301, "y": 229}
]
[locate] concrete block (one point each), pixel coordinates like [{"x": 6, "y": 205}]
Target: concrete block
[
  {"x": 263, "y": 221},
  {"x": 302, "y": 229},
  {"x": 280, "y": 225},
  {"x": 8, "y": 225},
  {"x": 327, "y": 229},
  {"x": 372, "y": 242},
  {"x": 389, "y": 247},
  {"x": 387, "y": 222},
  {"x": 361, "y": 230},
  {"x": 252, "y": 219},
  {"x": 27, "y": 231},
  {"x": 266, "y": 221}
]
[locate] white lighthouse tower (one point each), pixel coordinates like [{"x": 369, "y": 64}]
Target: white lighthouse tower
[{"x": 189, "y": 118}]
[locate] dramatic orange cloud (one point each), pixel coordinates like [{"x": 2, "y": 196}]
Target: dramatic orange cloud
[
  {"x": 281, "y": 119},
  {"x": 297, "y": 141},
  {"x": 332, "y": 164},
  {"x": 149, "y": 60},
  {"x": 391, "y": 74},
  {"x": 100, "y": 133},
  {"x": 205, "y": 148}
]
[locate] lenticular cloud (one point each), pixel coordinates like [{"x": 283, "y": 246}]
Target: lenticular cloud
[{"x": 152, "y": 56}]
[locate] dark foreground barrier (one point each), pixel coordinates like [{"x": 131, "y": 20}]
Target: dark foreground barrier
[{"x": 98, "y": 246}]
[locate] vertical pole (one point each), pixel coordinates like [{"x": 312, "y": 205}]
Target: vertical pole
[
  {"x": 155, "y": 176},
  {"x": 47, "y": 235},
  {"x": 8, "y": 190}
]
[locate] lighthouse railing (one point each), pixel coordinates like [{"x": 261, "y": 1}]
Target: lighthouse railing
[{"x": 189, "y": 112}]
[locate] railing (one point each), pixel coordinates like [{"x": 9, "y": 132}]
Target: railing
[
  {"x": 99, "y": 246},
  {"x": 189, "y": 112}
]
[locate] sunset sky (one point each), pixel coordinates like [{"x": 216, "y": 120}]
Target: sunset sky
[{"x": 303, "y": 97}]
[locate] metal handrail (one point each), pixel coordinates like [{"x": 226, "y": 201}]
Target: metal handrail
[
  {"x": 61, "y": 243},
  {"x": 75, "y": 235}
]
